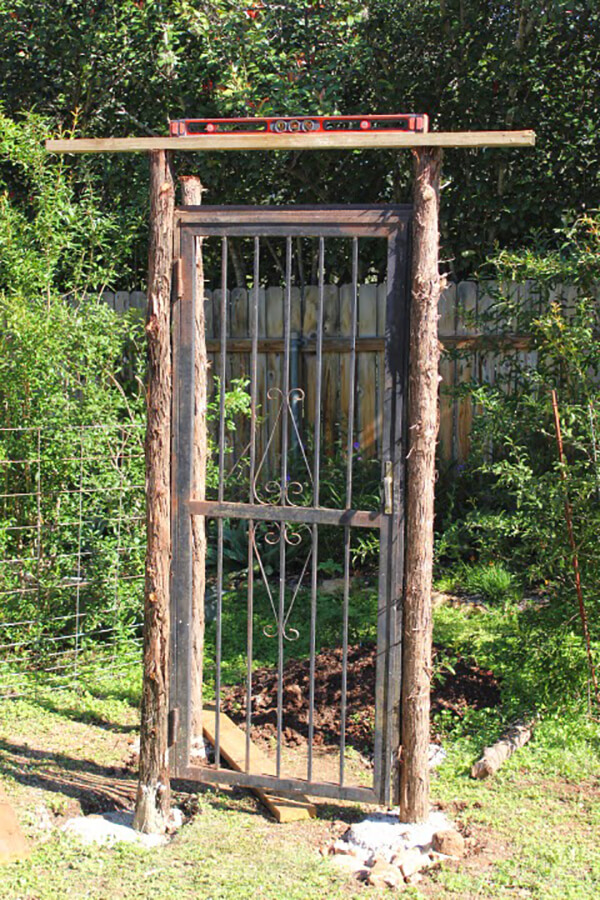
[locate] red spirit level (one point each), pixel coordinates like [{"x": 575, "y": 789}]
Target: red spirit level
[{"x": 298, "y": 124}]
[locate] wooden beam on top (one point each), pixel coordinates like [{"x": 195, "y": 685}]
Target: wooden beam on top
[{"x": 331, "y": 140}]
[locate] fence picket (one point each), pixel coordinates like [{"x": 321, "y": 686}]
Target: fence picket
[
  {"x": 240, "y": 369},
  {"x": 331, "y": 368},
  {"x": 465, "y": 325},
  {"x": 447, "y": 327},
  {"x": 464, "y": 313},
  {"x": 367, "y": 371},
  {"x": 274, "y": 323},
  {"x": 345, "y": 300},
  {"x": 308, "y": 367}
]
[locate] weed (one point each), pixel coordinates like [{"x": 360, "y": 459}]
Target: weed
[{"x": 491, "y": 581}]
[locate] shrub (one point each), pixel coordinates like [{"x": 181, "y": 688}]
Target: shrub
[
  {"x": 71, "y": 405},
  {"x": 507, "y": 505}
]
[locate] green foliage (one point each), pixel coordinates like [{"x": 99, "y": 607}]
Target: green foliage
[
  {"x": 507, "y": 506},
  {"x": 492, "y": 582},
  {"x": 366, "y": 494},
  {"x": 54, "y": 235},
  {"x": 71, "y": 411},
  {"x": 536, "y": 653},
  {"x": 236, "y": 407},
  {"x": 126, "y": 67}
]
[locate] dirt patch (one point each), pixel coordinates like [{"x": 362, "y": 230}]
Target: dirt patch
[{"x": 468, "y": 687}]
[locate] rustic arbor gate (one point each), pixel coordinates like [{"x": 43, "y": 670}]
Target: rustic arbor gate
[
  {"x": 282, "y": 508},
  {"x": 153, "y": 799}
]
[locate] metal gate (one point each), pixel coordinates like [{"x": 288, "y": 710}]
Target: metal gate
[{"x": 271, "y": 498}]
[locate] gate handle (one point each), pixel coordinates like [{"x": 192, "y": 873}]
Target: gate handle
[{"x": 388, "y": 482}]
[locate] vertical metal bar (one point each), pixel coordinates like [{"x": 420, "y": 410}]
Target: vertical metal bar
[
  {"x": 221, "y": 488},
  {"x": 251, "y": 495},
  {"x": 285, "y": 399},
  {"x": 79, "y": 529},
  {"x": 294, "y": 383},
  {"x": 347, "y": 534},
  {"x": 315, "y": 528}
]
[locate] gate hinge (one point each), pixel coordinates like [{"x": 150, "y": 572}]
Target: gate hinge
[
  {"x": 388, "y": 484},
  {"x": 172, "y": 726},
  {"x": 178, "y": 277}
]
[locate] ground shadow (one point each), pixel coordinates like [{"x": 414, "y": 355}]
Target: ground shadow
[{"x": 96, "y": 787}]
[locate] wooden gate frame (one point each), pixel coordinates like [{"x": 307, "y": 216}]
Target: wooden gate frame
[
  {"x": 391, "y": 223},
  {"x": 153, "y": 802}
]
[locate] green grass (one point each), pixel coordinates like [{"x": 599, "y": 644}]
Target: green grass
[
  {"x": 493, "y": 582},
  {"x": 533, "y": 830},
  {"x": 214, "y": 857},
  {"x": 538, "y": 819}
]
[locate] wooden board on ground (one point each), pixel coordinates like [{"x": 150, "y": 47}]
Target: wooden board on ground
[
  {"x": 233, "y": 749},
  {"x": 12, "y": 842}
]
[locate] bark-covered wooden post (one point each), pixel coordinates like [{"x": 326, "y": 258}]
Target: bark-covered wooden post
[
  {"x": 153, "y": 795},
  {"x": 423, "y": 427},
  {"x": 191, "y": 195}
]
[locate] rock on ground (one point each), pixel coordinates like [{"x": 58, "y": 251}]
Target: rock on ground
[
  {"x": 385, "y": 852},
  {"x": 351, "y": 864},
  {"x": 109, "y": 829},
  {"x": 449, "y": 842},
  {"x": 382, "y": 834},
  {"x": 382, "y": 874}
]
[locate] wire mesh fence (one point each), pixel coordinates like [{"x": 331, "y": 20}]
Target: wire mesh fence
[{"x": 71, "y": 554}]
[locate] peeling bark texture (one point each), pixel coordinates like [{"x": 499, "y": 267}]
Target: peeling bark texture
[
  {"x": 498, "y": 753},
  {"x": 191, "y": 195},
  {"x": 154, "y": 794},
  {"x": 423, "y": 428}
]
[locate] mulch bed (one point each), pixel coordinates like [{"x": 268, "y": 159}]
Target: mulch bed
[{"x": 470, "y": 687}]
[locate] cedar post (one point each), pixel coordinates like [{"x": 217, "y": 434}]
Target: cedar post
[
  {"x": 423, "y": 427},
  {"x": 154, "y": 795},
  {"x": 191, "y": 195}
]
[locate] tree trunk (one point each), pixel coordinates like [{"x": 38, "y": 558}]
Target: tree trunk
[
  {"x": 191, "y": 195},
  {"x": 154, "y": 796},
  {"x": 423, "y": 427}
]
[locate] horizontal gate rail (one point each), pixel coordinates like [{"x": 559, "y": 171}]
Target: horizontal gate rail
[
  {"x": 215, "y": 509},
  {"x": 280, "y": 784},
  {"x": 378, "y": 221}
]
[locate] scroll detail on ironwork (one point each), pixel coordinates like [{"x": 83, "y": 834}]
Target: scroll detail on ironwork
[
  {"x": 280, "y": 531},
  {"x": 293, "y": 490}
]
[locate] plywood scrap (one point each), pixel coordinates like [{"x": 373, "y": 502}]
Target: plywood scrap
[
  {"x": 494, "y": 756},
  {"x": 233, "y": 749}
]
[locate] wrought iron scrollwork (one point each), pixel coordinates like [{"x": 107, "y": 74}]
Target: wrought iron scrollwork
[
  {"x": 275, "y": 492},
  {"x": 278, "y": 531}
]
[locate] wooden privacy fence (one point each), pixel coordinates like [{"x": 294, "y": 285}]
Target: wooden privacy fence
[{"x": 487, "y": 348}]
